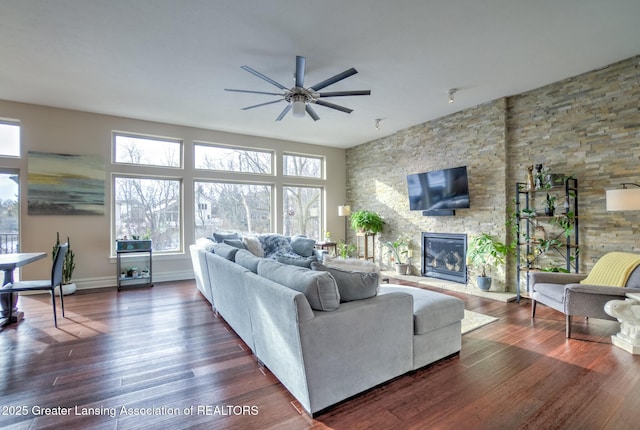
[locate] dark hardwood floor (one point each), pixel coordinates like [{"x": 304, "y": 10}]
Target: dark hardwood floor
[{"x": 159, "y": 358}]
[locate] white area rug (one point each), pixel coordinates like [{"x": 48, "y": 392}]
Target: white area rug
[{"x": 473, "y": 320}]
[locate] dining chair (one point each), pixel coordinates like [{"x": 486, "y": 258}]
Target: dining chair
[{"x": 45, "y": 284}]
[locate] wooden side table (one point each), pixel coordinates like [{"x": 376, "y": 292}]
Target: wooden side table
[
  {"x": 366, "y": 250},
  {"x": 328, "y": 246}
]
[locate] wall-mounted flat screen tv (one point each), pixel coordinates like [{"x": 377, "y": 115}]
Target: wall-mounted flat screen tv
[{"x": 439, "y": 190}]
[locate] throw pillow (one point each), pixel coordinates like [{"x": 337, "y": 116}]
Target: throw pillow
[
  {"x": 319, "y": 288},
  {"x": 247, "y": 260},
  {"x": 237, "y": 243},
  {"x": 351, "y": 284},
  {"x": 220, "y": 237},
  {"x": 303, "y": 245},
  {"x": 254, "y": 246},
  {"x": 276, "y": 244}
]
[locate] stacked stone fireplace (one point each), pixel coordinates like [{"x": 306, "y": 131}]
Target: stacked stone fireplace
[{"x": 444, "y": 256}]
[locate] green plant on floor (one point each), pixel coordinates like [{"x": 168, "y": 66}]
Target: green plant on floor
[
  {"x": 345, "y": 249},
  {"x": 484, "y": 250},
  {"x": 69, "y": 264},
  {"x": 367, "y": 221},
  {"x": 398, "y": 248}
]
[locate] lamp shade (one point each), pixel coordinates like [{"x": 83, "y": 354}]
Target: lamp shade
[
  {"x": 626, "y": 199},
  {"x": 299, "y": 108},
  {"x": 344, "y": 210}
]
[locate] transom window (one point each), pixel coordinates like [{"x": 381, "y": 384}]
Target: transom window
[
  {"x": 239, "y": 207},
  {"x": 302, "y": 165},
  {"x": 147, "y": 151},
  {"x": 9, "y": 138},
  {"x": 230, "y": 159}
]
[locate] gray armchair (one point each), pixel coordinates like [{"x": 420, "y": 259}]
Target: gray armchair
[{"x": 563, "y": 292}]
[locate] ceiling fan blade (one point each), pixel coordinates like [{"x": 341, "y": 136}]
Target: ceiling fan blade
[
  {"x": 311, "y": 112},
  {"x": 346, "y": 93},
  {"x": 252, "y": 92},
  {"x": 284, "y": 112},
  {"x": 300, "y": 63},
  {"x": 334, "y": 106},
  {"x": 262, "y": 104},
  {"x": 261, "y": 76},
  {"x": 332, "y": 80}
]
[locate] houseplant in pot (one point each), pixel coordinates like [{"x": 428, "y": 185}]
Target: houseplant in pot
[
  {"x": 483, "y": 251},
  {"x": 369, "y": 222},
  {"x": 397, "y": 249}
]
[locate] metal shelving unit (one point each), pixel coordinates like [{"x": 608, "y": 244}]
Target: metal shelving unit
[{"x": 131, "y": 276}]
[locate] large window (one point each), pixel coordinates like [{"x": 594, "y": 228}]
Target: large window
[
  {"x": 9, "y": 138},
  {"x": 302, "y": 207},
  {"x": 9, "y": 212},
  {"x": 229, "y": 159},
  {"x": 243, "y": 208},
  {"x": 303, "y": 166},
  {"x": 148, "y": 208},
  {"x": 147, "y": 151}
]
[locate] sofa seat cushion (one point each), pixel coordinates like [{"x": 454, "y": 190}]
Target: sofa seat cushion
[
  {"x": 353, "y": 285},
  {"x": 554, "y": 291},
  {"x": 319, "y": 288},
  {"x": 431, "y": 310}
]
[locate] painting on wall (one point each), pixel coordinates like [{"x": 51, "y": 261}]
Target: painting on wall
[{"x": 62, "y": 184}]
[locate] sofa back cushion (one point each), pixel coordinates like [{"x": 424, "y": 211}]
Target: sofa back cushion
[
  {"x": 247, "y": 260},
  {"x": 319, "y": 288},
  {"x": 225, "y": 251},
  {"x": 353, "y": 285}
]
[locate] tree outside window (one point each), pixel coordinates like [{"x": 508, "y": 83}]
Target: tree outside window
[
  {"x": 242, "y": 208},
  {"x": 302, "y": 211}
]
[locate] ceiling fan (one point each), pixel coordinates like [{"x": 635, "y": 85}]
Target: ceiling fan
[{"x": 299, "y": 98}]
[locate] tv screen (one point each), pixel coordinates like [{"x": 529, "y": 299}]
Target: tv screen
[{"x": 439, "y": 189}]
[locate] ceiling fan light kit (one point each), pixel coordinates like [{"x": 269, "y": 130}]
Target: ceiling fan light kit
[{"x": 299, "y": 99}]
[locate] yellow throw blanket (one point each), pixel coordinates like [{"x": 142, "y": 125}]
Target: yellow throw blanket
[{"x": 613, "y": 269}]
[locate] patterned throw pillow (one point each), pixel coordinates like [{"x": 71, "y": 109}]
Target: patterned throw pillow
[{"x": 275, "y": 245}]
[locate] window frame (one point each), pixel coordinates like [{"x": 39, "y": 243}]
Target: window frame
[
  {"x": 321, "y": 158},
  {"x": 116, "y": 133},
  {"x": 17, "y": 123},
  {"x": 202, "y": 143}
]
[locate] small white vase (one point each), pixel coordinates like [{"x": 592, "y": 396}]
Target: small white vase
[{"x": 67, "y": 289}]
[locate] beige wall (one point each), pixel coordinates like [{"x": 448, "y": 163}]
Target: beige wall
[
  {"x": 72, "y": 132},
  {"x": 587, "y": 126}
]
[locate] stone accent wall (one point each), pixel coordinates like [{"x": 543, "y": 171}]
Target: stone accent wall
[{"x": 587, "y": 126}]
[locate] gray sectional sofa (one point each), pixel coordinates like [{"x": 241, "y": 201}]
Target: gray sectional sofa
[{"x": 324, "y": 349}]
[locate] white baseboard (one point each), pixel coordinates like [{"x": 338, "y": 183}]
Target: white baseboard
[{"x": 112, "y": 281}]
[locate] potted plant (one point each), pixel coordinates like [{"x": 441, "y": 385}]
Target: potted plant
[
  {"x": 397, "y": 249},
  {"x": 345, "y": 249},
  {"x": 483, "y": 251},
  {"x": 364, "y": 221},
  {"x": 549, "y": 205},
  {"x": 67, "y": 268}
]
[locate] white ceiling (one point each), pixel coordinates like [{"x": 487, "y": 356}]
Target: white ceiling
[{"x": 170, "y": 60}]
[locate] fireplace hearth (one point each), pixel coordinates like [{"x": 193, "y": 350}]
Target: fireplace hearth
[{"x": 444, "y": 256}]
